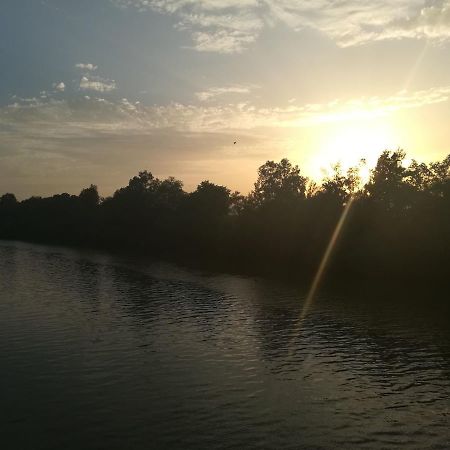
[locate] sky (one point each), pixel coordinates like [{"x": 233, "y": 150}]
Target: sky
[{"x": 95, "y": 91}]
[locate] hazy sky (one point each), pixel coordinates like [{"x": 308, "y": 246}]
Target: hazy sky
[{"x": 94, "y": 91}]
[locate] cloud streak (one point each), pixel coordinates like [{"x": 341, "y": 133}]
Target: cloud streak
[
  {"x": 47, "y": 118},
  {"x": 97, "y": 84},
  {"x": 231, "y": 26},
  {"x": 86, "y": 66},
  {"x": 74, "y": 138},
  {"x": 60, "y": 87},
  {"x": 215, "y": 92}
]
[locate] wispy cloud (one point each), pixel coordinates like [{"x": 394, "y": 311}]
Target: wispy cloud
[
  {"x": 214, "y": 92},
  {"x": 60, "y": 87},
  {"x": 86, "y": 115},
  {"x": 83, "y": 136},
  {"x": 86, "y": 66},
  {"x": 223, "y": 26},
  {"x": 354, "y": 22},
  {"x": 98, "y": 84},
  {"x": 230, "y": 26}
]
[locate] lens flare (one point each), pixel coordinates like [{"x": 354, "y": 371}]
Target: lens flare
[{"x": 323, "y": 265}]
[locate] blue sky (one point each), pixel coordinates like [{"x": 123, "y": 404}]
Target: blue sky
[{"x": 93, "y": 91}]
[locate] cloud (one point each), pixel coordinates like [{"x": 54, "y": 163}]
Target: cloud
[
  {"x": 60, "y": 87},
  {"x": 87, "y": 115},
  {"x": 223, "y": 26},
  {"x": 219, "y": 91},
  {"x": 231, "y": 26},
  {"x": 78, "y": 140},
  {"x": 354, "y": 22},
  {"x": 86, "y": 66},
  {"x": 97, "y": 84}
]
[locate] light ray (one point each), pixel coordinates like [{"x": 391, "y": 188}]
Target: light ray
[
  {"x": 421, "y": 55},
  {"x": 416, "y": 65},
  {"x": 322, "y": 267},
  {"x": 326, "y": 258}
]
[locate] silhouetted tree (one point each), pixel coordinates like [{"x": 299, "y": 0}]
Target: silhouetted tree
[
  {"x": 210, "y": 200},
  {"x": 8, "y": 201},
  {"x": 342, "y": 186},
  {"x": 398, "y": 226},
  {"x": 89, "y": 196},
  {"x": 278, "y": 182},
  {"x": 388, "y": 182}
]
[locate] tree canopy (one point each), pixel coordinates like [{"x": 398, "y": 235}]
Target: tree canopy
[{"x": 399, "y": 225}]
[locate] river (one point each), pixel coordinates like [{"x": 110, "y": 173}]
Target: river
[{"x": 107, "y": 352}]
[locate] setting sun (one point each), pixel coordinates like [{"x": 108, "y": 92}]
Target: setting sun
[{"x": 347, "y": 144}]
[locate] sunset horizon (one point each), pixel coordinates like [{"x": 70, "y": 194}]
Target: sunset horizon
[
  {"x": 179, "y": 82},
  {"x": 225, "y": 224}
]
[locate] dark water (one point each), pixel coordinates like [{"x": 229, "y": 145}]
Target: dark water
[{"x": 98, "y": 352}]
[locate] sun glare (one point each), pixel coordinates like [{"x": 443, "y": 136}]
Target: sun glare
[{"x": 348, "y": 144}]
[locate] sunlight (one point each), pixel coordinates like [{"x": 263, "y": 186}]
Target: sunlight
[
  {"x": 318, "y": 277},
  {"x": 325, "y": 259},
  {"x": 348, "y": 144}
]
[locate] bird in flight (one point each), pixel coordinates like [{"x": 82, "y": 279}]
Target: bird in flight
[{"x": 234, "y": 142}]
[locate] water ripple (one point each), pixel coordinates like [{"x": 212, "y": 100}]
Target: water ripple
[{"x": 106, "y": 353}]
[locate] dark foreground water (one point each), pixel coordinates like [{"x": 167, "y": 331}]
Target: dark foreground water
[{"x": 98, "y": 352}]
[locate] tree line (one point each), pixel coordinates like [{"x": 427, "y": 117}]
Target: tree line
[{"x": 398, "y": 226}]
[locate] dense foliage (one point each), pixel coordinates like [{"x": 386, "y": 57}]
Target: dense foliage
[{"x": 398, "y": 226}]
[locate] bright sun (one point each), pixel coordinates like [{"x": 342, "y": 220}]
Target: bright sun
[{"x": 349, "y": 143}]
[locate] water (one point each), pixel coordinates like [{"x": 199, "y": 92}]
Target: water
[{"x": 98, "y": 352}]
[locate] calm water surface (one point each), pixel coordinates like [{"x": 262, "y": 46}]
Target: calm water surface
[{"x": 98, "y": 352}]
